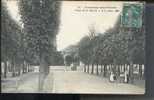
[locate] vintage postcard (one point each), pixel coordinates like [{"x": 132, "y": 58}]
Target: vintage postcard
[{"x": 77, "y": 47}]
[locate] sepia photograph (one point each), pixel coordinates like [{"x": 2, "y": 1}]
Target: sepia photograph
[{"x": 73, "y": 47}]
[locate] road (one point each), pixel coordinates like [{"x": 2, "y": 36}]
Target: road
[
  {"x": 26, "y": 83},
  {"x": 80, "y": 82},
  {"x": 62, "y": 80}
]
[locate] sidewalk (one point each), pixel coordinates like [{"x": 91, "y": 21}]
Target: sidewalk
[
  {"x": 27, "y": 82},
  {"x": 80, "y": 82},
  {"x": 61, "y": 81},
  {"x": 48, "y": 83},
  {"x": 9, "y": 85}
]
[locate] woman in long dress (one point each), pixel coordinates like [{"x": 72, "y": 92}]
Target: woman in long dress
[
  {"x": 111, "y": 77},
  {"x": 126, "y": 77}
]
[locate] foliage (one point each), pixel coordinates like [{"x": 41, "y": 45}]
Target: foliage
[
  {"x": 69, "y": 59},
  {"x": 10, "y": 36},
  {"x": 115, "y": 46},
  {"x": 85, "y": 50},
  {"x": 41, "y": 23},
  {"x": 57, "y": 59}
]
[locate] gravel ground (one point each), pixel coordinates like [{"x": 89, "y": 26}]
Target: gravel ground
[{"x": 60, "y": 80}]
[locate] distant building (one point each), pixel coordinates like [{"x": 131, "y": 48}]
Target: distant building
[{"x": 71, "y": 50}]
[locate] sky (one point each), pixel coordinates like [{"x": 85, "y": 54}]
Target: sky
[
  {"x": 74, "y": 22},
  {"x": 13, "y": 10}
]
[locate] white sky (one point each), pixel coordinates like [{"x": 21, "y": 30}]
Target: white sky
[
  {"x": 13, "y": 9},
  {"x": 74, "y": 25}
]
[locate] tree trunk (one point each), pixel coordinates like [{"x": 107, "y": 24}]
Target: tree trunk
[
  {"x": 19, "y": 66},
  {"x": 124, "y": 68},
  {"x": 140, "y": 71},
  {"x": 92, "y": 69},
  {"x": 114, "y": 68},
  {"x": 11, "y": 66},
  {"x": 118, "y": 72},
  {"x": 131, "y": 77},
  {"x": 97, "y": 70},
  {"x": 88, "y": 68},
  {"x": 105, "y": 69},
  {"x": 101, "y": 68},
  {"x": 23, "y": 66},
  {"x": 27, "y": 67},
  {"x": 30, "y": 68},
  {"x": 43, "y": 71},
  {"x": 13, "y": 72},
  {"x": 5, "y": 69},
  {"x": 84, "y": 67}
]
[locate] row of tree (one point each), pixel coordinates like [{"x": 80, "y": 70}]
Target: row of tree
[
  {"x": 41, "y": 19},
  {"x": 12, "y": 45},
  {"x": 118, "y": 46},
  {"x": 33, "y": 42}
]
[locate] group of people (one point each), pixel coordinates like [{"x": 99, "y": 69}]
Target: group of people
[{"x": 123, "y": 77}]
